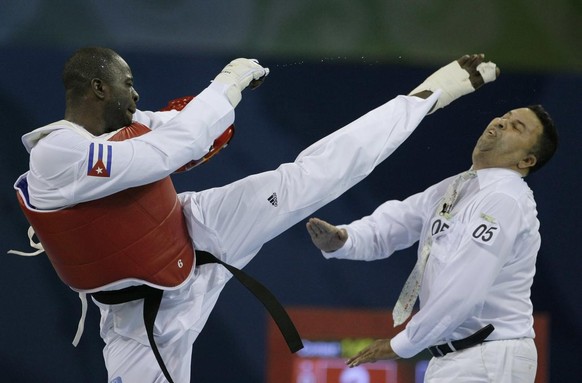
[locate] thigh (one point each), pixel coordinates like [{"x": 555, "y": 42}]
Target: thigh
[
  {"x": 511, "y": 361},
  {"x": 235, "y": 221},
  {"x": 129, "y": 361}
]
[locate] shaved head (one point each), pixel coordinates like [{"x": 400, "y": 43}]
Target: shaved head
[{"x": 86, "y": 64}]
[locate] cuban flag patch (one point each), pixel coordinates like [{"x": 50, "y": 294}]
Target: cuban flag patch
[{"x": 99, "y": 160}]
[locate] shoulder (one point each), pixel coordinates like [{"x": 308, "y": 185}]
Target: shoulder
[
  {"x": 59, "y": 142},
  {"x": 508, "y": 201},
  {"x": 503, "y": 194},
  {"x": 57, "y": 149},
  {"x": 495, "y": 183},
  {"x": 60, "y": 131}
]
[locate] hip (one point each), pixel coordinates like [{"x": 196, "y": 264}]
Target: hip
[{"x": 511, "y": 361}]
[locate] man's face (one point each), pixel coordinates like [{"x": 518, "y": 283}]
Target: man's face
[
  {"x": 121, "y": 97},
  {"x": 508, "y": 141}
]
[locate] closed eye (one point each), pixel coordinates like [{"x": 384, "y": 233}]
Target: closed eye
[{"x": 519, "y": 125}]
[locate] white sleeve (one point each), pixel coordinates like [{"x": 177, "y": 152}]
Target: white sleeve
[
  {"x": 154, "y": 120},
  {"x": 467, "y": 274},
  {"x": 393, "y": 226},
  {"x": 60, "y": 164}
]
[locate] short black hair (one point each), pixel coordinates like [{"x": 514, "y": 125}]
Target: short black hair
[
  {"x": 548, "y": 140},
  {"x": 86, "y": 64}
]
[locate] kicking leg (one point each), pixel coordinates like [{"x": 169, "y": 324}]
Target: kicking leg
[
  {"x": 239, "y": 218},
  {"x": 234, "y": 221}
]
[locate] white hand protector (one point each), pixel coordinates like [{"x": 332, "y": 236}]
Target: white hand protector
[
  {"x": 238, "y": 75},
  {"x": 454, "y": 82}
]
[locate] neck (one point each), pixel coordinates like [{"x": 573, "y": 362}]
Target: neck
[
  {"x": 486, "y": 160},
  {"x": 522, "y": 172},
  {"x": 86, "y": 120}
]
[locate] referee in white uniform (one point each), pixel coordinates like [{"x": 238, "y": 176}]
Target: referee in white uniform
[{"x": 481, "y": 238}]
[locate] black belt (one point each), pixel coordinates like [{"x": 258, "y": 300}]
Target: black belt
[
  {"x": 152, "y": 298},
  {"x": 461, "y": 344}
]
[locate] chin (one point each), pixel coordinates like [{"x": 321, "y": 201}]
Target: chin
[{"x": 127, "y": 121}]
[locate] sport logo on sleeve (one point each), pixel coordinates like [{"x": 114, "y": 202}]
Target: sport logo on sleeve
[{"x": 99, "y": 160}]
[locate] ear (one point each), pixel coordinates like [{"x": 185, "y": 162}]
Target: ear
[
  {"x": 527, "y": 162},
  {"x": 97, "y": 87}
]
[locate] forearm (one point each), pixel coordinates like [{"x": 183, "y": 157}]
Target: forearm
[
  {"x": 195, "y": 127},
  {"x": 393, "y": 226}
]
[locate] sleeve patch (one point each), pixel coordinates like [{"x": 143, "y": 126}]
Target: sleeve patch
[
  {"x": 486, "y": 230},
  {"x": 100, "y": 156}
]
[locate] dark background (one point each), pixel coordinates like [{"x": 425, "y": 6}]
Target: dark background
[{"x": 318, "y": 83}]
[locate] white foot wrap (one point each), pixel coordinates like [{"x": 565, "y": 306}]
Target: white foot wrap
[
  {"x": 238, "y": 74},
  {"x": 454, "y": 82},
  {"x": 487, "y": 71}
]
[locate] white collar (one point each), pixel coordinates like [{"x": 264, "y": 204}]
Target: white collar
[
  {"x": 490, "y": 175},
  {"x": 30, "y": 139}
]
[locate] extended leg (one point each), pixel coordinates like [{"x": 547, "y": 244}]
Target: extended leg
[{"x": 234, "y": 221}]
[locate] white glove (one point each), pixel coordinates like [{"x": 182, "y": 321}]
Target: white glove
[
  {"x": 454, "y": 82},
  {"x": 238, "y": 75}
]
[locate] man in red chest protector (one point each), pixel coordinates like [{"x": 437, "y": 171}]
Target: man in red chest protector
[{"x": 100, "y": 200}]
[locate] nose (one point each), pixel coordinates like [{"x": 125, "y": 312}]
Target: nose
[{"x": 135, "y": 96}]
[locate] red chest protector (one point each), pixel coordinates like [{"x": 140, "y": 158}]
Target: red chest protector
[{"x": 136, "y": 234}]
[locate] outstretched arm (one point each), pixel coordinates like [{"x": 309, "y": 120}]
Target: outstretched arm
[{"x": 457, "y": 79}]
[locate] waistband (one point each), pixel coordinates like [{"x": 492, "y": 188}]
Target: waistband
[{"x": 457, "y": 345}]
